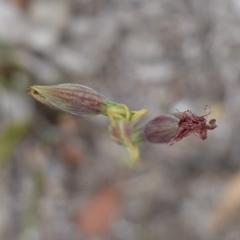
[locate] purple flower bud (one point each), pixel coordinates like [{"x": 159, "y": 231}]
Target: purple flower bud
[
  {"x": 161, "y": 129},
  {"x": 72, "y": 98}
]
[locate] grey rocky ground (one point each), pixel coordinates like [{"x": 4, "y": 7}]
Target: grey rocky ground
[{"x": 156, "y": 54}]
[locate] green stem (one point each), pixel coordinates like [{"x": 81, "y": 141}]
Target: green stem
[
  {"x": 109, "y": 104},
  {"x": 137, "y": 137},
  {"x": 30, "y": 219}
]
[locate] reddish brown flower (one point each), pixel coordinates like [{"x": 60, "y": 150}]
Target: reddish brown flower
[
  {"x": 191, "y": 123},
  {"x": 172, "y": 128}
]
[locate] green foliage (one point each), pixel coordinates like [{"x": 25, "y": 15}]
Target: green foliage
[{"x": 9, "y": 139}]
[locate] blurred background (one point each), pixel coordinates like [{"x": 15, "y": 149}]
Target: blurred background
[{"x": 61, "y": 176}]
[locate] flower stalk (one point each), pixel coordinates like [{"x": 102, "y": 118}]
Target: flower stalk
[{"x": 123, "y": 123}]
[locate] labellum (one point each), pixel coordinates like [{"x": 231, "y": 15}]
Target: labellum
[{"x": 191, "y": 123}]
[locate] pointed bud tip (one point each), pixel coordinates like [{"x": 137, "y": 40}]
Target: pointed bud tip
[
  {"x": 31, "y": 90},
  {"x": 28, "y": 91}
]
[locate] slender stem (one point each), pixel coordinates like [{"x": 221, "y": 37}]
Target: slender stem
[
  {"x": 109, "y": 105},
  {"x": 137, "y": 136}
]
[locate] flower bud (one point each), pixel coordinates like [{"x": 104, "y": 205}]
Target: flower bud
[
  {"x": 161, "y": 129},
  {"x": 72, "y": 98}
]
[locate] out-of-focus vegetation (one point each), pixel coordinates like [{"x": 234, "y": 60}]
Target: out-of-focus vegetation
[{"x": 10, "y": 137}]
